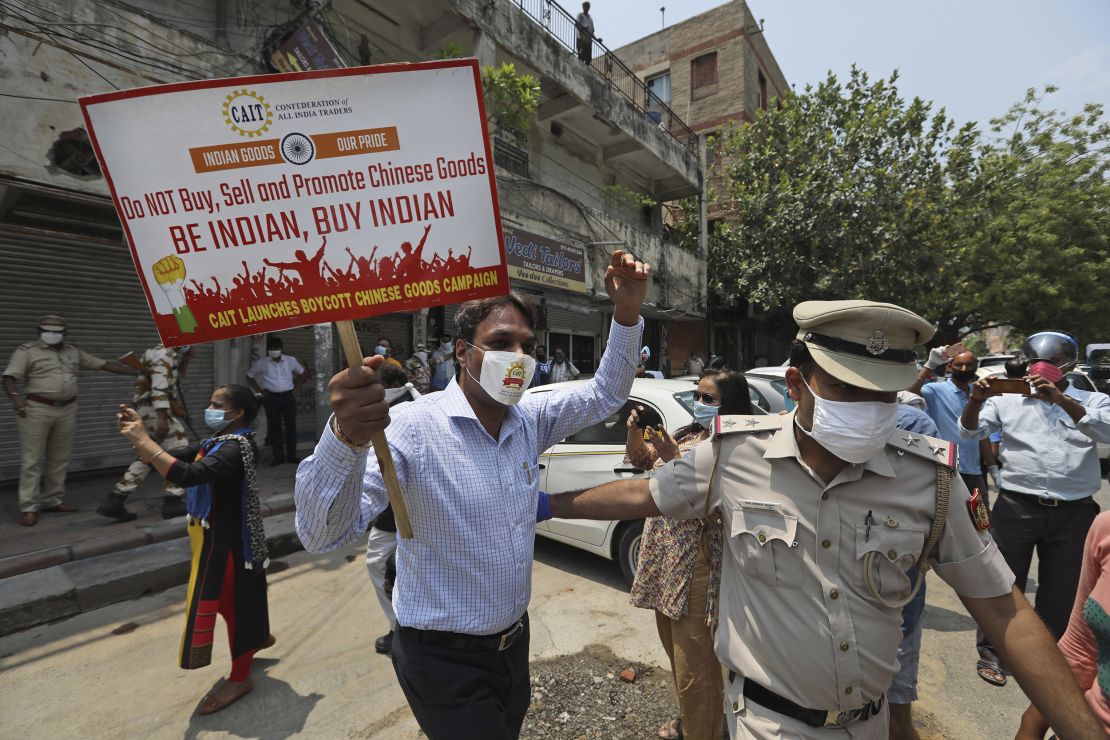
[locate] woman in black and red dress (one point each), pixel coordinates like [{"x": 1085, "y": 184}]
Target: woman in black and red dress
[{"x": 228, "y": 575}]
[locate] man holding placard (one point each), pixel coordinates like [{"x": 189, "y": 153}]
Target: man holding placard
[{"x": 468, "y": 463}]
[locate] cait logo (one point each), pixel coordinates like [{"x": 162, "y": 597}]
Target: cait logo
[
  {"x": 514, "y": 376},
  {"x": 247, "y": 113}
]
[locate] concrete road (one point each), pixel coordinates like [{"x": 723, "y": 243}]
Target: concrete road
[{"x": 112, "y": 672}]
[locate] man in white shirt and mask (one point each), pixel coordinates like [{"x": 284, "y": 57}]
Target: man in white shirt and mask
[
  {"x": 472, "y": 492},
  {"x": 442, "y": 363},
  {"x": 275, "y": 376},
  {"x": 561, "y": 368}
]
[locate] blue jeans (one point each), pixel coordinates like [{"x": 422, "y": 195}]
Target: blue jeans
[{"x": 903, "y": 688}]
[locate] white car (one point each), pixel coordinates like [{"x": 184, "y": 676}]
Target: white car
[{"x": 595, "y": 455}]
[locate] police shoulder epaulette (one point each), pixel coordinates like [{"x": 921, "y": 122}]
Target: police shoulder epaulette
[
  {"x": 937, "y": 450},
  {"x": 27, "y": 345},
  {"x": 734, "y": 424}
]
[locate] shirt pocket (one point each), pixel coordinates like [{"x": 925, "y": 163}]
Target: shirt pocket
[
  {"x": 1070, "y": 432},
  {"x": 767, "y": 546},
  {"x": 895, "y": 550}
]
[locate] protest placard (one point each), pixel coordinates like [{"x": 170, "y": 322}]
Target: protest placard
[{"x": 262, "y": 203}]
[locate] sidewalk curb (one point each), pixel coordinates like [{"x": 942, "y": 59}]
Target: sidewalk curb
[
  {"x": 28, "y": 562},
  {"x": 60, "y": 591}
]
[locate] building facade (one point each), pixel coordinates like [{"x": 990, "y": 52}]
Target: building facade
[
  {"x": 587, "y": 177},
  {"x": 715, "y": 70}
]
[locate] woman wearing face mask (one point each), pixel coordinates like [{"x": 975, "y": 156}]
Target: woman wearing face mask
[
  {"x": 679, "y": 571},
  {"x": 225, "y": 531}
]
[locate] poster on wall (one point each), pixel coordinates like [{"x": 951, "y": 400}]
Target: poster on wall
[{"x": 256, "y": 204}]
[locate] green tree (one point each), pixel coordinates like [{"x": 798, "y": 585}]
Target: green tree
[
  {"x": 511, "y": 99},
  {"x": 850, "y": 191},
  {"x": 1038, "y": 220}
]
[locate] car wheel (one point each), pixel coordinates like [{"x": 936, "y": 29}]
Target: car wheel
[{"x": 628, "y": 548}]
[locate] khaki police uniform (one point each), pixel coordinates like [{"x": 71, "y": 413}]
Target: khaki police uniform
[
  {"x": 155, "y": 388},
  {"x": 49, "y": 378},
  {"x": 797, "y": 616}
]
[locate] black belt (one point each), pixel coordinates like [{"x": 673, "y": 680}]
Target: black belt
[
  {"x": 278, "y": 393},
  {"x": 39, "y": 399},
  {"x": 812, "y": 717},
  {"x": 459, "y": 641},
  {"x": 1051, "y": 503}
]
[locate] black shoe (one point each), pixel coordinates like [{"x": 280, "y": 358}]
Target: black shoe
[
  {"x": 173, "y": 507},
  {"x": 384, "y": 644},
  {"x": 113, "y": 509}
]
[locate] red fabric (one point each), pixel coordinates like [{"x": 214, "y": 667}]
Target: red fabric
[{"x": 241, "y": 666}]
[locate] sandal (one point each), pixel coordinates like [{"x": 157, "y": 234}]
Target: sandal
[
  {"x": 991, "y": 672},
  {"x": 221, "y": 697},
  {"x": 671, "y": 730}
]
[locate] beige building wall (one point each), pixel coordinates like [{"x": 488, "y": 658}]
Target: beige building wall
[{"x": 748, "y": 76}]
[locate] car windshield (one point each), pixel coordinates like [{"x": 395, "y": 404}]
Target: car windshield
[{"x": 686, "y": 400}]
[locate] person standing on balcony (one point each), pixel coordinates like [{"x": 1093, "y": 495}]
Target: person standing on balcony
[{"x": 585, "y": 25}]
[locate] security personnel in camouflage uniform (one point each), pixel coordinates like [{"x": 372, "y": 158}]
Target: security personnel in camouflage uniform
[
  {"x": 824, "y": 510},
  {"x": 156, "y": 390},
  {"x": 47, "y": 413}
]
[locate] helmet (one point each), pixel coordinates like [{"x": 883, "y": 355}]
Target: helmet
[{"x": 1051, "y": 346}]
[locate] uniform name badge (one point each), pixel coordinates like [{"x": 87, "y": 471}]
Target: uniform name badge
[
  {"x": 980, "y": 517},
  {"x": 759, "y": 505}
]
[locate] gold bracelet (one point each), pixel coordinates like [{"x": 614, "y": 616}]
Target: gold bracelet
[{"x": 344, "y": 438}]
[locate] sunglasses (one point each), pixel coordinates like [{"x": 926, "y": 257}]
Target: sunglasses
[{"x": 705, "y": 398}]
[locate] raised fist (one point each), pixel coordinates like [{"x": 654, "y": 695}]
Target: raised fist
[{"x": 169, "y": 270}]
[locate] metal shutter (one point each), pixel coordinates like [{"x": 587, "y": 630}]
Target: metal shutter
[
  {"x": 562, "y": 320},
  {"x": 91, "y": 283}
]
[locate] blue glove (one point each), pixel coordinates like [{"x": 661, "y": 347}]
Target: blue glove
[{"x": 543, "y": 508}]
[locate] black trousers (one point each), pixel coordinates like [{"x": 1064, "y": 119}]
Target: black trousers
[
  {"x": 458, "y": 694},
  {"x": 281, "y": 424},
  {"x": 1019, "y": 524}
]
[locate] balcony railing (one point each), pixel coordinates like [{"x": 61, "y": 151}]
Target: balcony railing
[{"x": 561, "y": 25}]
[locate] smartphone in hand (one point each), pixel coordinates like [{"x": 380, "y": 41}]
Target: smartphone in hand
[{"x": 1009, "y": 385}]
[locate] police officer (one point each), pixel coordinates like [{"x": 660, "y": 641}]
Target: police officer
[
  {"x": 824, "y": 510},
  {"x": 47, "y": 411},
  {"x": 156, "y": 400}
]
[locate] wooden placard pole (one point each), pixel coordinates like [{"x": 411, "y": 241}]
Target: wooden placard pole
[{"x": 348, "y": 339}]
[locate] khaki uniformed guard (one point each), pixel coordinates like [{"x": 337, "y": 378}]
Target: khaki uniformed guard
[
  {"x": 824, "y": 510},
  {"x": 158, "y": 405},
  {"x": 47, "y": 411}
]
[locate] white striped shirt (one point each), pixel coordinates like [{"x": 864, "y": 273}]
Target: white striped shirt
[{"x": 471, "y": 498}]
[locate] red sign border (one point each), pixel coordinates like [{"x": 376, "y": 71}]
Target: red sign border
[{"x": 172, "y": 87}]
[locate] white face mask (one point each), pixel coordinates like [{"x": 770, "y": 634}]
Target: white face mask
[
  {"x": 854, "y": 431},
  {"x": 275, "y": 354},
  {"x": 51, "y": 337},
  {"x": 505, "y": 375}
]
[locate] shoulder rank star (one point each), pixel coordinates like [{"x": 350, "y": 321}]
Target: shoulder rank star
[{"x": 980, "y": 517}]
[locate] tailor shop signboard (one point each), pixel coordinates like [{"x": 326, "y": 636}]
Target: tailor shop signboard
[
  {"x": 537, "y": 259},
  {"x": 262, "y": 203}
]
